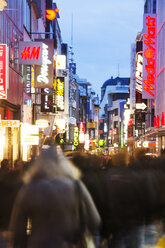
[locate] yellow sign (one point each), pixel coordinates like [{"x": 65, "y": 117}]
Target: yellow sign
[
  {"x": 31, "y": 140},
  {"x": 60, "y": 93},
  {"x": 9, "y": 123},
  {"x": 3, "y": 4},
  {"x": 76, "y": 135}
]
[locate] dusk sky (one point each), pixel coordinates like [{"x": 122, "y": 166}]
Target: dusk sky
[{"x": 103, "y": 32}]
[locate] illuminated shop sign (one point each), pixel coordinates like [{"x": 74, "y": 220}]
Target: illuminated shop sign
[
  {"x": 44, "y": 72},
  {"x": 81, "y": 132},
  {"x": 139, "y": 70},
  {"x": 51, "y": 14},
  {"x": 60, "y": 125},
  {"x": 157, "y": 120},
  {"x": 30, "y": 53},
  {"x": 41, "y": 123},
  {"x": 27, "y": 78},
  {"x": 149, "y": 56},
  {"x": 46, "y": 100},
  {"x": 60, "y": 93},
  {"x": 31, "y": 140},
  {"x": 3, "y": 4},
  {"x": 29, "y": 134},
  {"x": 76, "y": 136},
  {"x": 9, "y": 123},
  {"x": 61, "y": 62},
  {"x": 3, "y": 71}
]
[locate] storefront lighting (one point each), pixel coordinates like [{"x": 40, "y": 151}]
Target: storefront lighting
[
  {"x": 51, "y": 14},
  {"x": 41, "y": 123},
  {"x": 3, "y": 4},
  {"x": 61, "y": 62}
]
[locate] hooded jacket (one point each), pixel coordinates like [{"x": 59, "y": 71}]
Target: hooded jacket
[{"x": 45, "y": 214}]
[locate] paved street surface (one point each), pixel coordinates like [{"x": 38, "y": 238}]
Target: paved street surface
[{"x": 150, "y": 237}]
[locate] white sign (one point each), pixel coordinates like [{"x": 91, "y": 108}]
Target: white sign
[
  {"x": 29, "y": 134},
  {"x": 60, "y": 124},
  {"x": 61, "y": 62},
  {"x": 43, "y": 77},
  {"x": 41, "y": 123},
  {"x": 142, "y": 106}
]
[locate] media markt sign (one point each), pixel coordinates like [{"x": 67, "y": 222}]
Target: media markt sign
[{"x": 3, "y": 4}]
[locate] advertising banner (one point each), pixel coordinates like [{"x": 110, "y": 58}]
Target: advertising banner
[
  {"x": 60, "y": 93},
  {"x": 27, "y": 78},
  {"x": 44, "y": 72},
  {"x": 47, "y": 100},
  {"x": 3, "y": 71},
  {"x": 30, "y": 53},
  {"x": 149, "y": 56}
]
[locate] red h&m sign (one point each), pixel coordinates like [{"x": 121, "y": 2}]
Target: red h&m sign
[
  {"x": 30, "y": 53},
  {"x": 3, "y": 71},
  {"x": 149, "y": 56}
]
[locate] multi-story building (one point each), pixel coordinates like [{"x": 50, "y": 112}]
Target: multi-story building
[
  {"x": 32, "y": 87},
  {"x": 114, "y": 93},
  {"x": 12, "y": 23},
  {"x": 160, "y": 88}
]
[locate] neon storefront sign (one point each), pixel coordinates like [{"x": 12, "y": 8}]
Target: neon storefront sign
[
  {"x": 51, "y": 14},
  {"x": 76, "y": 136},
  {"x": 43, "y": 77},
  {"x": 44, "y": 72},
  {"x": 3, "y": 71},
  {"x": 60, "y": 93},
  {"x": 30, "y": 53},
  {"x": 149, "y": 56}
]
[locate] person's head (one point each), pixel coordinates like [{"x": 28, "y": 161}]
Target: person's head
[
  {"x": 51, "y": 164},
  {"x": 5, "y": 164},
  {"x": 18, "y": 164}
]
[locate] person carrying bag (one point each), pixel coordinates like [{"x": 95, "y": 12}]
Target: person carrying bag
[{"x": 86, "y": 235}]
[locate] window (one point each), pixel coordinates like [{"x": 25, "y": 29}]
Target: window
[
  {"x": 154, "y": 6},
  {"x": 26, "y": 11},
  {"x": 116, "y": 111}
]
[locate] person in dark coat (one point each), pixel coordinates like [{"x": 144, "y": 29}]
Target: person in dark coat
[{"x": 45, "y": 214}]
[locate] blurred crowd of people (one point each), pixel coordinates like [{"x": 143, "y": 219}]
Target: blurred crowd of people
[{"x": 50, "y": 201}]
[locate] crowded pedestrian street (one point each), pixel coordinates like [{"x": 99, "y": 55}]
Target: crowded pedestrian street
[{"x": 82, "y": 124}]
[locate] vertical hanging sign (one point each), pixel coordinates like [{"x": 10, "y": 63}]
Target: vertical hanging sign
[
  {"x": 149, "y": 56},
  {"x": 44, "y": 72},
  {"x": 60, "y": 93},
  {"x": 3, "y": 71}
]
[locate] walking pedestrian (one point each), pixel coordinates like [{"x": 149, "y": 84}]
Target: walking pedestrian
[{"x": 46, "y": 212}]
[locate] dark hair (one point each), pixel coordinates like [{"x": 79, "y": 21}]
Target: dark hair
[{"x": 4, "y": 163}]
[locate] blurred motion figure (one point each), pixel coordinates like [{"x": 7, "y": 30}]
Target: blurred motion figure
[{"x": 48, "y": 201}]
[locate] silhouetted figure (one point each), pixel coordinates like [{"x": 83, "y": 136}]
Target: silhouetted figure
[
  {"x": 48, "y": 202},
  {"x": 10, "y": 184},
  {"x": 128, "y": 196}
]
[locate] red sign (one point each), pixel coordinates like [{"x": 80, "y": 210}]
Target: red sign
[
  {"x": 30, "y": 53},
  {"x": 82, "y": 127},
  {"x": 149, "y": 58},
  {"x": 3, "y": 71},
  {"x": 156, "y": 121},
  {"x": 51, "y": 14}
]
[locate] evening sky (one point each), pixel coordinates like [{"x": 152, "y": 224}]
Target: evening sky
[{"x": 103, "y": 32}]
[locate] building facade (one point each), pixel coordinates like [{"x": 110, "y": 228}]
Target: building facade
[{"x": 114, "y": 93}]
